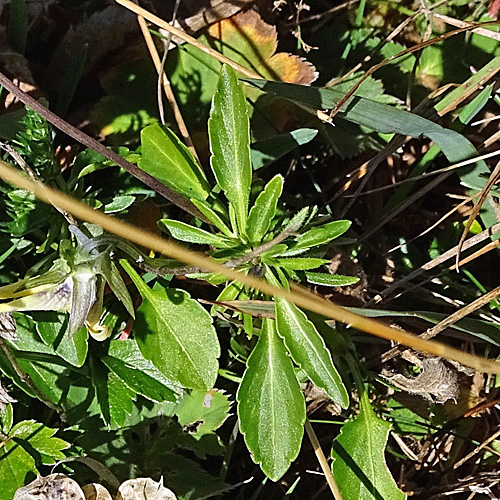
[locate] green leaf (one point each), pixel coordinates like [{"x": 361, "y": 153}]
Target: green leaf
[
  {"x": 213, "y": 217},
  {"x": 51, "y": 327},
  {"x": 300, "y": 263},
  {"x": 119, "y": 203},
  {"x": 47, "y": 371},
  {"x": 264, "y": 209},
  {"x": 359, "y": 464},
  {"x": 15, "y": 464},
  {"x": 41, "y": 439},
  {"x": 28, "y": 440},
  {"x": 308, "y": 350},
  {"x": 176, "y": 334},
  {"x": 229, "y": 134},
  {"x": 269, "y": 150},
  {"x": 319, "y": 236},
  {"x": 114, "y": 397},
  {"x": 330, "y": 279},
  {"x": 168, "y": 160},
  {"x": 185, "y": 232},
  {"x": 126, "y": 360},
  {"x": 115, "y": 281},
  {"x": 206, "y": 409},
  {"x": 271, "y": 407},
  {"x": 375, "y": 115}
]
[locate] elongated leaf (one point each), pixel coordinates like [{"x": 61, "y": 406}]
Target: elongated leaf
[
  {"x": 168, "y": 160},
  {"x": 229, "y": 133},
  {"x": 115, "y": 281},
  {"x": 264, "y": 209},
  {"x": 271, "y": 406},
  {"x": 484, "y": 330},
  {"x": 126, "y": 360},
  {"x": 176, "y": 334},
  {"x": 330, "y": 279},
  {"x": 375, "y": 115},
  {"x": 185, "y": 232},
  {"x": 319, "y": 236},
  {"x": 308, "y": 350},
  {"x": 269, "y": 150},
  {"x": 359, "y": 464},
  {"x": 212, "y": 216},
  {"x": 301, "y": 263}
]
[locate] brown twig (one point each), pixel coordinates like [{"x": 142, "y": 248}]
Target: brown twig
[
  {"x": 477, "y": 450},
  {"x": 187, "y": 38},
  {"x": 474, "y": 240},
  {"x": 461, "y": 313},
  {"x": 322, "y": 461},
  {"x": 165, "y": 83},
  {"x": 309, "y": 301}
]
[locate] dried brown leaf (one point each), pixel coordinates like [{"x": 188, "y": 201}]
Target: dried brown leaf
[{"x": 53, "y": 487}]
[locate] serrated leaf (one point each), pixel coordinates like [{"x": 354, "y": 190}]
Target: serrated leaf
[
  {"x": 168, "y": 160},
  {"x": 271, "y": 407},
  {"x": 176, "y": 334},
  {"x": 114, "y": 397},
  {"x": 264, "y": 209},
  {"x": 190, "y": 234},
  {"x": 269, "y": 150},
  {"x": 229, "y": 133},
  {"x": 359, "y": 464},
  {"x": 308, "y": 350},
  {"x": 41, "y": 439},
  {"x": 27, "y": 440},
  {"x": 207, "y": 410},
  {"x": 126, "y": 360},
  {"x": 319, "y": 236},
  {"x": 330, "y": 279}
]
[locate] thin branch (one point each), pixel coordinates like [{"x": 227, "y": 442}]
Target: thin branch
[
  {"x": 165, "y": 83},
  {"x": 306, "y": 300},
  {"x": 322, "y": 461},
  {"x": 474, "y": 240},
  {"x": 461, "y": 313},
  {"x": 187, "y": 38}
]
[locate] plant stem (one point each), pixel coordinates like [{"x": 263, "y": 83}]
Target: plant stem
[{"x": 322, "y": 461}]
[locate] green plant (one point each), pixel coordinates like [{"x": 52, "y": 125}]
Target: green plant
[{"x": 266, "y": 241}]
